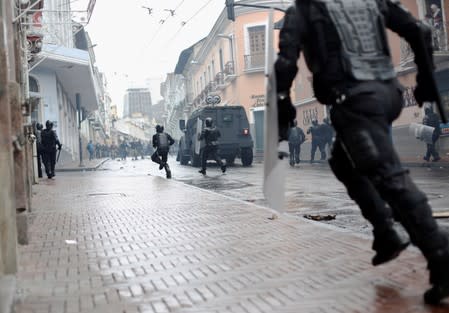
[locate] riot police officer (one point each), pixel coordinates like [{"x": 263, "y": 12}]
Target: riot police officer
[
  {"x": 210, "y": 135},
  {"x": 345, "y": 47},
  {"x": 295, "y": 139},
  {"x": 432, "y": 119},
  {"x": 49, "y": 142},
  {"x": 162, "y": 142},
  {"x": 317, "y": 140},
  {"x": 38, "y": 134}
]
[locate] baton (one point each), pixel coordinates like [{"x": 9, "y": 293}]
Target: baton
[
  {"x": 430, "y": 74},
  {"x": 57, "y": 158}
]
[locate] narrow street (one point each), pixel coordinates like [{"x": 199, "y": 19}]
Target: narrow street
[
  {"x": 310, "y": 188},
  {"x": 125, "y": 239}
]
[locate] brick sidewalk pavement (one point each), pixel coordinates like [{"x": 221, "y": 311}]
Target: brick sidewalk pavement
[{"x": 146, "y": 244}]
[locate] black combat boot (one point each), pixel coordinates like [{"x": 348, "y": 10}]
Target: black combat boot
[
  {"x": 167, "y": 171},
  {"x": 223, "y": 168},
  {"x": 439, "y": 278},
  {"x": 202, "y": 172},
  {"x": 388, "y": 245}
]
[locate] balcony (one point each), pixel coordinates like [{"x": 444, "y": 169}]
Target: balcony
[
  {"x": 440, "y": 48},
  {"x": 254, "y": 62},
  {"x": 219, "y": 79},
  {"x": 229, "y": 71}
]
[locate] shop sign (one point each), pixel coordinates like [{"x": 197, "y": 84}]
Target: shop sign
[
  {"x": 444, "y": 129},
  {"x": 258, "y": 100}
]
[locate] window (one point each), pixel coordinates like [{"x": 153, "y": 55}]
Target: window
[
  {"x": 227, "y": 117},
  {"x": 34, "y": 86},
  {"x": 256, "y": 47},
  {"x": 221, "y": 60}
]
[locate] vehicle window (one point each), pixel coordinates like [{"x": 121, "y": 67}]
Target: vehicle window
[{"x": 227, "y": 117}]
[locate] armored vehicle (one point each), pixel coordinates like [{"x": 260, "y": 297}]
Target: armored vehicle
[{"x": 235, "y": 140}]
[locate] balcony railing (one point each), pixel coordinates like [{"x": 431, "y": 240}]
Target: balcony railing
[
  {"x": 219, "y": 79},
  {"x": 229, "y": 68},
  {"x": 439, "y": 44},
  {"x": 254, "y": 61}
]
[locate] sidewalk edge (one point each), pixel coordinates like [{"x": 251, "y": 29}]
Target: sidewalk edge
[{"x": 82, "y": 169}]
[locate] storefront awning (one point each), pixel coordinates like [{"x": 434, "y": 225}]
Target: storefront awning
[{"x": 73, "y": 69}]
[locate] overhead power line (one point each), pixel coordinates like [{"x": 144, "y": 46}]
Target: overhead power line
[{"x": 183, "y": 23}]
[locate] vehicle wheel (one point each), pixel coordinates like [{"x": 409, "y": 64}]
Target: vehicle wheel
[
  {"x": 196, "y": 159},
  {"x": 247, "y": 156},
  {"x": 230, "y": 160}
]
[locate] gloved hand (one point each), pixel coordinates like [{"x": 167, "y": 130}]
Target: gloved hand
[
  {"x": 59, "y": 147},
  {"x": 286, "y": 115},
  {"x": 423, "y": 91}
]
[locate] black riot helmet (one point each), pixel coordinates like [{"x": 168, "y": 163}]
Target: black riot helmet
[
  {"x": 159, "y": 128},
  {"x": 208, "y": 122},
  {"x": 39, "y": 126},
  {"x": 315, "y": 122},
  {"x": 48, "y": 125}
]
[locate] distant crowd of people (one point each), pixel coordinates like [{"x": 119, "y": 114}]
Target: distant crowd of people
[
  {"x": 322, "y": 137},
  {"x": 123, "y": 150}
]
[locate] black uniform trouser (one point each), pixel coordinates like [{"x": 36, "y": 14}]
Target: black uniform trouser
[
  {"x": 295, "y": 150},
  {"x": 431, "y": 149},
  {"x": 364, "y": 160},
  {"x": 39, "y": 162},
  {"x": 320, "y": 144},
  {"x": 160, "y": 157},
  {"x": 49, "y": 158},
  {"x": 210, "y": 153}
]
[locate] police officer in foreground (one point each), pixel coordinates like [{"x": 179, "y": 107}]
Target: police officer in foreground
[
  {"x": 210, "y": 135},
  {"x": 49, "y": 142},
  {"x": 162, "y": 142},
  {"x": 345, "y": 47}
]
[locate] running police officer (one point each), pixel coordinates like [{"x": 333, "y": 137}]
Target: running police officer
[
  {"x": 345, "y": 46},
  {"x": 210, "y": 135},
  {"x": 162, "y": 142}
]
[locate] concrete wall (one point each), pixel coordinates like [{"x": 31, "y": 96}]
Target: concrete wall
[{"x": 8, "y": 234}]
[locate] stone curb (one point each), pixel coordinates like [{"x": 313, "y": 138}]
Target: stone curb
[{"x": 82, "y": 169}]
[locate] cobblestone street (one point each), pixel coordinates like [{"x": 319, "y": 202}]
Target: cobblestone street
[{"x": 105, "y": 243}]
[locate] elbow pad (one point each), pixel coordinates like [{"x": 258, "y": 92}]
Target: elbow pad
[{"x": 286, "y": 70}]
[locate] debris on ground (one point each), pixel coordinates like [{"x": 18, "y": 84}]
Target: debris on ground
[
  {"x": 273, "y": 217},
  {"x": 440, "y": 214},
  {"x": 319, "y": 217}
]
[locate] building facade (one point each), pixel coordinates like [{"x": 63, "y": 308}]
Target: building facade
[
  {"x": 63, "y": 78},
  {"x": 230, "y": 62},
  {"x": 137, "y": 103}
]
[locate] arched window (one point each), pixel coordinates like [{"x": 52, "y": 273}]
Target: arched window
[{"x": 34, "y": 86}]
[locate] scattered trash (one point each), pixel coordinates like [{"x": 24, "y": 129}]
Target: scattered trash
[
  {"x": 441, "y": 214},
  {"x": 319, "y": 217},
  {"x": 71, "y": 242}
]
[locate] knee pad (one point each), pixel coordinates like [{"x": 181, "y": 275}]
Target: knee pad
[{"x": 154, "y": 157}]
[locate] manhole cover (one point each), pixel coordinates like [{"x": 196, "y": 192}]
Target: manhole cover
[{"x": 102, "y": 194}]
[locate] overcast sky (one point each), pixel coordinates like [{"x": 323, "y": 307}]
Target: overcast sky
[{"x": 134, "y": 48}]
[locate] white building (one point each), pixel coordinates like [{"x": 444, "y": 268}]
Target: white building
[{"x": 62, "y": 74}]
